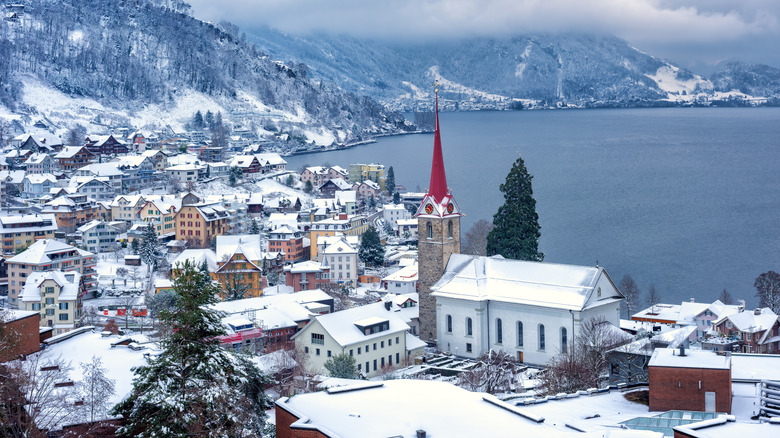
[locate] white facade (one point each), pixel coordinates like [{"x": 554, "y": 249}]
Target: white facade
[
  {"x": 394, "y": 212},
  {"x": 97, "y": 236},
  {"x": 342, "y": 259},
  {"x": 531, "y": 310}
]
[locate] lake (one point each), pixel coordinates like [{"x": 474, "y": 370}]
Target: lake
[{"x": 685, "y": 199}]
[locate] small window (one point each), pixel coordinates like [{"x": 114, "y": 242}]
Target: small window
[
  {"x": 499, "y": 331},
  {"x": 389, "y": 342},
  {"x": 329, "y": 354},
  {"x": 429, "y": 230},
  {"x": 350, "y": 352},
  {"x": 382, "y": 344},
  {"x": 317, "y": 352},
  {"x": 374, "y": 345},
  {"x": 541, "y": 337},
  {"x": 449, "y": 229},
  {"x": 449, "y": 323},
  {"x": 359, "y": 350},
  {"x": 564, "y": 340},
  {"x": 468, "y": 348},
  {"x": 468, "y": 326}
]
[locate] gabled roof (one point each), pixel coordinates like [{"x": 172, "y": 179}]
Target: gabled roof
[
  {"x": 38, "y": 252},
  {"x": 341, "y": 326},
  {"x": 477, "y": 278},
  {"x": 405, "y": 275},
  {"x": 37, "y": 158},
  {"x": 71, "y": 151},
  {"x": 340, "y": 247},
  {"x": 246, "y": 244},
  {"x": 40, "y": 178},
  {"x": 749, "y": 322},
  {"x": 196, "y": 258},
  {"x": 343, "y": 185},
  {"x": 68, "y": 281},
  {"x": 102, "y": 169},
  {"x": 270, "y": 158}
]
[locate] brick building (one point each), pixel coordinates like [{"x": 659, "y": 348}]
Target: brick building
[
  {"x": 690, "y": 380},
  {"x": 287, "y": 241},
  {"x": 24, "y": 325},
  {"x": 306, "y": 275}
]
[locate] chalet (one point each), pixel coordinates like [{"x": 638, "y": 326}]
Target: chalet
[
  {"x": 39, "y": 163},
  {"x": 74, "y": 157},
  {"x": 329, "y": 188},
  {"x": 756, "y": 331},
  {"x": 98, "y": 189},
  {"x": 38, "y": 185},
  {"x": 239, "y": 265},
  {"x": 111, "y": 171},
  {"x": 271, "y": 162},
  {"x": 106, "y": 145},
  {"x": 247, "y": 163}
]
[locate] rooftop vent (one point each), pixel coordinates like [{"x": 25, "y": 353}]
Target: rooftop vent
[{"x": 421, "y": 433}]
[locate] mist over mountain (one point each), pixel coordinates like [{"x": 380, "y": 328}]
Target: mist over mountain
[{"x": 537, "y": 70}]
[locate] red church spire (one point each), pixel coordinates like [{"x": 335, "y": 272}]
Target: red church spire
[{"x": 438, "y": 186}]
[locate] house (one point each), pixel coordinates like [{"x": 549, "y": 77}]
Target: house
[
  {"x": 690, "y": 380},
  {"x": 329, "y": 188},
  {"x": 347, "y": 201},
  {"x": 271, "y": 162},
  {"x": 138, "y": 171},
  {"x": 160, "y": 214},
  {"x": 71, "y": 211},
  {"x": 337, "y": 172},
  {"x": 289, "y": 242},
  {"x": 316, "y": 175},
  {"x": 756, "y": 331},
  {"x": 96, "y": 188},
  {"x": 57, "y": 296},
  {"x": 367, "y": 189},
  {"x": 74, "y": 157},
  {"x": 392, "y": 213},
  {"x": 247, "y": 163},
  {"x": 407, "y": 228},
  {"x": 106, "y": 145},
  {"x": 342, "y": 258},
  {"x": 367, "y": 172},
  {"x": 199, "y": 223},
  {"x": 126, "y": 207},
  {"x": 278, "y": 220},
  {"x": 715, "y": 311},
  {"x": 531, "y": 310},
  {"x": 254, "y": 205},
  {"x": 217, "y": 170},
  {"x": 306, "y": 275},
  {"x": 402, "y": 281},
  {"x": 49, "y": 255},
  {"x": 406, "y": 307},
  {"x": 40, "y": 163},
  {"x": 98, "y": 236},
  {"x": 20, "y": 231},
  {"x": 350, "y": 225},
  {"x": 185, "y": 172},
  {"x": 37, "y": 185},
  {"x": 373, "y": 334},
  {"x": 111, "y": 171},
  {"x": 283, "y": 204},
  {"x": 158, "y": 157},
  {"x": 239, "y": 265}
]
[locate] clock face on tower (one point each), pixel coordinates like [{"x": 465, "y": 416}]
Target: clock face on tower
[
  {"x": 450, "y": 208},
  {"x": 428, "y": 208}
]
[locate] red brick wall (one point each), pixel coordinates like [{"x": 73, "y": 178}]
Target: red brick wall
[
  {"x": 28, "y": 337},
  {"x": 678, "y": 388},
  {"x": 283, "y": 430}
]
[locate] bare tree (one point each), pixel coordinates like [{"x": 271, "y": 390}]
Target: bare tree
[
  {"x": 34, "y": 395},
  {"x": 235, "y": 279},
  {"x": 653, "y": 297},
  {"x": 495, "y": 372},
  {"x": 341, "y": 300},
  {"x": 585, "y": 364},
  {"x": 95, "y": 390},
  {"x": 725, "y": 297},
  {"x": 475, "y": 242},
  {"x": 631, "y": 293},
  {"x": 768, "y": 290}
]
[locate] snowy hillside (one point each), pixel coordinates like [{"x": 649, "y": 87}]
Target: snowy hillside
[
  {"x": 143, "y": 64},
  {"x": 537, "y": 70}
]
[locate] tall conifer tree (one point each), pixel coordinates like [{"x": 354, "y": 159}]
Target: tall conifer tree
[{"x": 515, "y": 233}]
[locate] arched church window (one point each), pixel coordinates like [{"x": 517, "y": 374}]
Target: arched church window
[
  {"x": 468, "y": 326},
  {"x": 499, "y": 331},
  {"x": 449, "y": 323},
  {"x": 519, "y": 333},
  {"x": 564, "y": 340},
  {"x": 429, "y": 230},
  {"x": 449, "y": 229}
]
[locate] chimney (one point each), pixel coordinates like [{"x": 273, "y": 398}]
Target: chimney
[
  {"x": 741, "y": 304},
  {"x": 682, "y": 349},
  {"x": 693, "y": 300},
  {"x": 421, "y": 433},
  {"x": 388, "y": 305},
  {"x": 757, "y": 311},
  {"x": 342, "y": 216}
]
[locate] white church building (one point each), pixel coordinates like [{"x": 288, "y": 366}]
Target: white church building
[{"x": 531, "y": 310}]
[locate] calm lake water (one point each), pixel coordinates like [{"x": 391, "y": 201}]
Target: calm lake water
[{"x": 686, "y": 198}]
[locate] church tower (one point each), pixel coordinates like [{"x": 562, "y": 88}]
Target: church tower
[{"x": 438, "y": 231}]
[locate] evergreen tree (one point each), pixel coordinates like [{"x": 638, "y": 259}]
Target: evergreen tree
[
  {"x": 342, "y": 366},
  {"x": 396, "y": 198},
  {"x": 371, "y": 250},
  {"x": 308, "y": 187},
  {"x": 134, "y": 245},
  {"x": 515, "y": 233},
  {"x": 150, "y": 247},
  {"x": 254, "y": 227},
  {"x": 235, "y": 174},
  {"x": 197, "y": 120},
  {"x": 194, "y": 387},
  {"x": 390, "y": 180},
  {"x": 209, "y": 119}
]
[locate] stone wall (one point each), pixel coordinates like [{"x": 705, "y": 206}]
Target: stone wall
[{"x": 433, "y": 255}]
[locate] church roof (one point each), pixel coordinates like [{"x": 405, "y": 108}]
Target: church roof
[
  {"x": 438, "y": 185},
  {"x": 553, "y": 285}
]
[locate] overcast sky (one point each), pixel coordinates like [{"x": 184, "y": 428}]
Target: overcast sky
[{"x": 693, "y": 33}]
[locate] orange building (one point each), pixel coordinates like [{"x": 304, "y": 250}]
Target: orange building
[
  {"x": 289, "y": 242},
  {"x": 200, "y": 223}
]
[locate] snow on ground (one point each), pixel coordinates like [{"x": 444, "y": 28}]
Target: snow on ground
[
  {"x": 666, "y": 78},
  {"x": 320, "y": 136},
  {"x": 459, "y": 88},
  {"x": 187, "y": 102}
]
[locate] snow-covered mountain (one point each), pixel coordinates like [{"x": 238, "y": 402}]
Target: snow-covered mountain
[
  {"x": 148, "y": 64},
  {"x": 536, "y": 70}
]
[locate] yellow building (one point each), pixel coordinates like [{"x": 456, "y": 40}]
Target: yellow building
[
  {"x": 21, "y": 231},
  {"x": 161, "y": 215},
  {"x": 346, "y": 224},
  {"x": 367, "y": 172}
]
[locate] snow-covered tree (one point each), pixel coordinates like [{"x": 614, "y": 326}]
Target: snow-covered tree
[
  {"x": 371, "y": 250},
  {"x": 768, "y": 290},
  {"x": 194, "y": 387},
  {"x": 390, "y": 180},
  {"x": 342, "y": 365},
  {"x": 494, "y": 373},
  {"x": 630, "y": 292},
  {"x": 254, "y": 226},
  {"x": 515, "y": 233},
  {"x": 475, "y": 242},
  {"x": 150, "y": 247},
  {"x": 95, "y": 389}
]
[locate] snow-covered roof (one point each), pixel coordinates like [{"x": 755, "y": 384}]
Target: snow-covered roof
[
  {"x": 750, "y": 322},
  {"x": 370, "y": 184},
  {"x": 290, "y": 305},
  {"x": 40, "y": 178},
  {"x": 68, "y": 281},
  {"x": 38, "y": 253},
  {"x": 534, "y": 283},
  {"x": 755, "y": 367},
  {"x": 10, "y": 315},
  {"x": 342, "y": 326},
  {"x": 68, "y": 152},
  {"x": 102, "y": 169},
  {"x": 307, "y": 266},
  {"x": 36, "y": 158},
  {"x": 196, "y": 258},
  {"x": 270, "y": 158},
  {"x": 404, "y": 275},
  {"x": 33, "y": 223},
  {"x": 340, "y": 247},
  {"x": 344, "y": 197},
  {"x": 670, "y": 357},
  {"x": 339, "y": 183},
  {"x": 404, "y": 406}
]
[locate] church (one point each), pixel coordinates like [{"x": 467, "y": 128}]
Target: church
[{"x": 472, "y": 304}]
